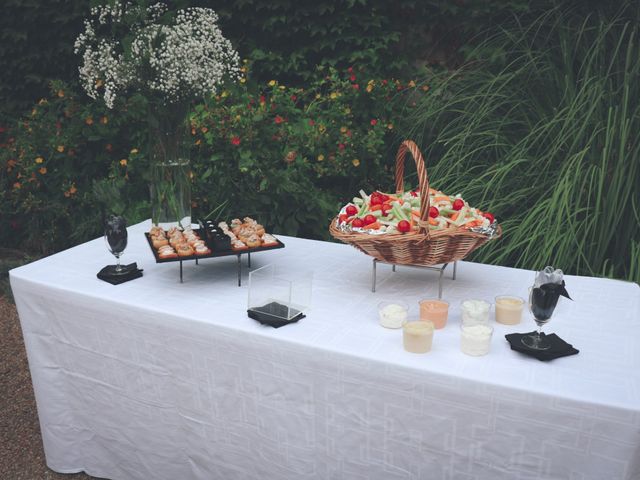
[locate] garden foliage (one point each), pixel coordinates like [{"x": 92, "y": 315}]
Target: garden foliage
[
  {"x": 286, "y": 155},
  {"x": 546, "y": 138}
]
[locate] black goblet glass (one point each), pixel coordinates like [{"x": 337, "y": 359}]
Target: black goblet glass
[{"x": 115, "y": 235}]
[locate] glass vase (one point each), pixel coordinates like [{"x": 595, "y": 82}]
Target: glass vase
[{"x": 170, "y": 186}]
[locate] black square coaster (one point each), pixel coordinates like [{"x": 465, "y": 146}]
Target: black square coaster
[
  {"x": 274, "y": 314},
  {"x": 559, "y": 348}
]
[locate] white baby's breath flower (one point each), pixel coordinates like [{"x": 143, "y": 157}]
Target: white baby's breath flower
[{"x": 174, "y": 62}]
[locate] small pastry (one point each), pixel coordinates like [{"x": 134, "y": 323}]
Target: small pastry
[
  {"x": 167, "y": 254},
  {"x": 159, "y": 242},
  {"x": 223, "y": 225},
  {"x": 236, "y": 222},
  {"x": 156, "y": 231},
  {"x": 269, "y": 240},
  {"x": 173, "y": 230},
  {"x": 249, "y": 221},
  {"x": 259, "y": 229},
  {"x": 238, "y": 245},
  {"x": 166, "y": 248},
  {"x": 253, "y": 241},
  {"x": 202, "y": 250},
  {"x": 184, "y": 250}
]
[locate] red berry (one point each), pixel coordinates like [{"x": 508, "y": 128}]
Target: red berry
[
  {"x": 357, "y": 223},
  {"x": 414, "y": 193},
  {"x": 489, "y": 216},
  {"x": 368, "y": 219},
  {"x": 403, "y": 226},
  {"x": 383, "y": 196},
  {"x": 458, "y": 203},
  {"x": 342, "y": 218},
  {"x": 434, "y": 212},
  {"x": 376, "y": 200},
  {"x": 351, "y": 210}
]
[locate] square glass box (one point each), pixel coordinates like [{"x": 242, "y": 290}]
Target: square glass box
[{"x": 277, "y": 295}]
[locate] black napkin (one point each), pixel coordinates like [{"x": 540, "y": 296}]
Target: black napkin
[
  {"x": 559, "y": 348},
  {"x": 130, "y": 272},
  {"x": 274, "y": 314}
]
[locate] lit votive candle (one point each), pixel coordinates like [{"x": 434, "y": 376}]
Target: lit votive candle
[
  {"x": 475, "y": 312},
  {"x": 475, "y": 340},
  {"x": 435, "y": 311},
  {"x": 509, "y": 309},
  {"x": 417, "y": 337},
  {"x": 393, "y": 314}
]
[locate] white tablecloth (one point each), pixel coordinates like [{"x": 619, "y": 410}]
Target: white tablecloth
[{"x": 154, "y": 379}]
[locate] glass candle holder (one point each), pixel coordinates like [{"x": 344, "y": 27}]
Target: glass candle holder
[
  {"x": 435, "y": 311},
  {"x": 393, "y": 314},
  {"x": 417, "y": 337},
  {"x": 475, "y": 312},
  {"x": 475, "y": 340},
  {"x": 509, "y": 309}
]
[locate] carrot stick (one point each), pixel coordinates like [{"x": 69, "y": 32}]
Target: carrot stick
[
  {"x": 373, "y": 226},
  {"x": 454, "y": 217},
  {"x": 373, "y": 208},
  {"x": 433, "y": 221}
]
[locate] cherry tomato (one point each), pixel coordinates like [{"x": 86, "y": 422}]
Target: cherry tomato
[
  {"x": 414, "y": 193},
  {"x": 490, "y": 217},
  {"x": 434, "y": 212},
  {"x": 369, "y": 219},
  {"x": 403, "y": 226},
  {"x": 382, "y": 196},
  {"x": 342, "y": 218},
  {"x": 351, "y": 210},
  {"x": 458, "y": 203},
  {"x": 385, "y": 210},
  {"x": 376, "y": 200},
  {"x": 357, "y": 223}
]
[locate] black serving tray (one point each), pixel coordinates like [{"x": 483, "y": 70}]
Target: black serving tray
[{"x": 213, "y": 254}]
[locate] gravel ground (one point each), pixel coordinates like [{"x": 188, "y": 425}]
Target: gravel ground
[{"x": 21, "y": 452}]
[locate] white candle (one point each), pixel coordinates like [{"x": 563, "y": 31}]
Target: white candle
[
  {"x": 392, "y": 315},
  {"x": 475, "y": 312},
  {"x": 475, "y": 340},
  {"x": 417, "y": 336}
]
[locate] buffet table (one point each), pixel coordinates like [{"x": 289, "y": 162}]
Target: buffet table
[{"x": 154, "y": 379}]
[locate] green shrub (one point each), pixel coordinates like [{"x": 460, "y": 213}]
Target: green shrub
[
  {"x": 289, "y": 156},
  {"x": 545, "y": 137}
]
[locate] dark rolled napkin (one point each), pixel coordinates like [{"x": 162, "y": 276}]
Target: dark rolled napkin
[
  {"x": 545, "y": 298},
  {"x": 130, "y": 272},
  {"x": 559, "y": 348}
]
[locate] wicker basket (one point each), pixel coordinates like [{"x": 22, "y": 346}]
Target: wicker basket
[{"x": 422, "y": 248}]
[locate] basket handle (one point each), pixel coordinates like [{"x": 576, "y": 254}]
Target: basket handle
[{"x": 423, "y": 180}]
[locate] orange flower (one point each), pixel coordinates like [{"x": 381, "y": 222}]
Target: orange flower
[
  {"x": 291, "y": 156},
  {"x": 39, "y": 160},
  {"x": 42, "y": 170},
  {"x": 60, "y": 148},
  {"x": 355, "y": 162},
  {"x": 88, "y": 121},
  {"x": 123, "y": 162},
  {"x": 104, "y": 120},
  {"x": 134, "y": 151},
  {"x": 16, "y": 185},
  {"x": 73, "y": 189},
  {"x": 278, "y": 119},
  {"x": 61, "y": 93},
  {"x": 204, "y": 129}
]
